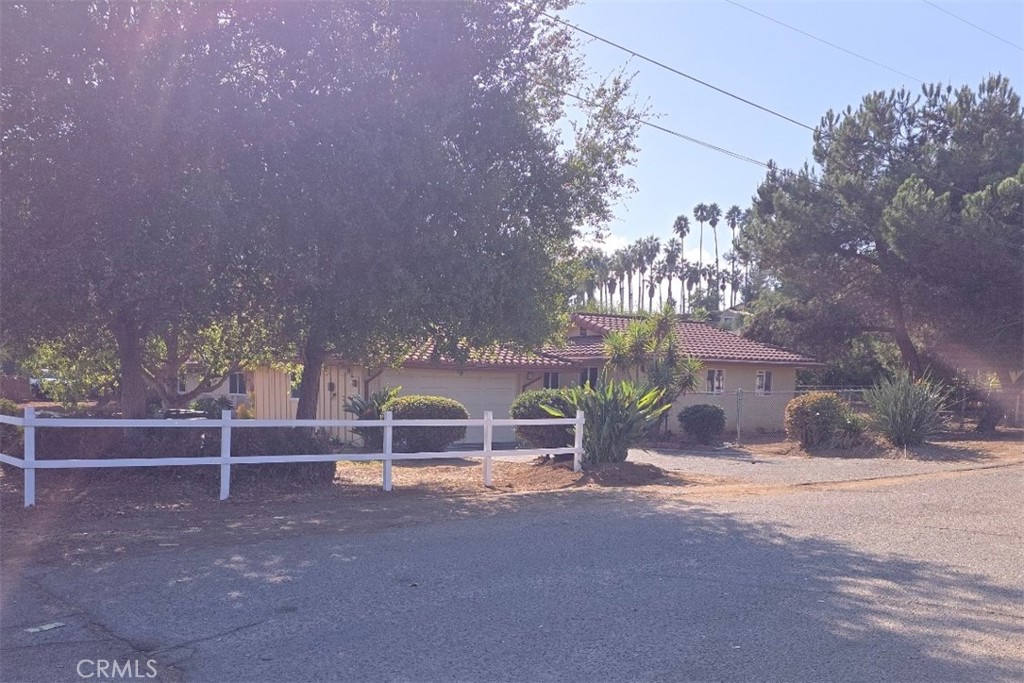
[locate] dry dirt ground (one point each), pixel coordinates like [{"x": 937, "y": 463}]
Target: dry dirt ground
[{"x": 86, "y": 516}]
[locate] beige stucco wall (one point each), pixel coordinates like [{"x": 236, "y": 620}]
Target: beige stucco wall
[
  {"x": 757, "y": 413},
  {"x": 478, "y": 389}
]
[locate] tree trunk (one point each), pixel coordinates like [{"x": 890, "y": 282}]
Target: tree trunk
[
  {"x": 133, "y": 380},
  {"x": 314, "y": 355},
  {"x": 908, "y": 352}
]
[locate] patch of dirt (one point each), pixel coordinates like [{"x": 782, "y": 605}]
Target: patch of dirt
[{"x": 85, "y": 516}]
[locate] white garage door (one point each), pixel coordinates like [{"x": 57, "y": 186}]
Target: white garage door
[{"x": 478, "y": 391}]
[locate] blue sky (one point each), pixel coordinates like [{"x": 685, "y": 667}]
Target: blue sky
[{"x": 778, "y": 68}]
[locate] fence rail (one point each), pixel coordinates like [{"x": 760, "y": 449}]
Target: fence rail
[{"x": 28, "y": 463}]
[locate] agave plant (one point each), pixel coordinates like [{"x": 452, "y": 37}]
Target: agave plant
[
  {"x": 371, "y": 408},
  {"x": 618, "y": 415}
]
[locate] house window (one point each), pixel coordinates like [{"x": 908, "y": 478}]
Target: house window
[
  {"x": 716, "y": 382},
  {"x": 589, "y": 376},
  {"x": 550, "y": 380},
  {"x": 294, "y": 379},
  {"x": 182, "y": 386},
  {"x": 763, "y": 386},
  {"x": 236, "y": 384}
]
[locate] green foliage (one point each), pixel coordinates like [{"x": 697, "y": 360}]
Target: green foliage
[
  {"x": 703, "y": 422},
  {"x": 912, "y": 227},
  {"x": 84, "y": 365},
  {"x": 814, "y": 418},
  {"x": 850, "y": 431},
  {"x": 10, "y": 436},
  {"x": 282, "y": 441},
  {"x": 618, "y": 415},
  {"x": 906, "y": 410},
  {"x": 212, "y": 406},
  {"x": 371, "y": 408},
  {"x": 426, "y": 439},
  {"x": 303, "y": 240},
  {"x": 529, "y": 405}
]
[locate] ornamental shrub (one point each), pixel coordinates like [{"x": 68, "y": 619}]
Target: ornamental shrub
[
  {"x": 905, "y": 410},
  {"x": 10, "y": 436},
  {"x": 703, "y": 422},
  {"x": 212, "y": 406},
  {"x": 815, "y": 418},
  {"x": 529, "y": 406},
  {"x": 426, "y": 439}
]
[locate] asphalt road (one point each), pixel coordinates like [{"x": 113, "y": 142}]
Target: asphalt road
[{"x": 921, "y": 580}]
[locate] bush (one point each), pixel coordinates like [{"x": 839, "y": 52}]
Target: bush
[
  {"x": 426, "y": 439},
  {"x": 703, "y": 422},
  {"x": 618, "y": 415},
  {"x": 371, "y": 409},
  {"x": 282, "y": 441},
  {"x": 814, "y": 418},
  {"x": 528, "y": 406},
  {"x": 905, "y": 410},
  {"x": 11, "y": 440},
  {"x": 211, "y": 406},
  {"x": 850, "y": 432}
]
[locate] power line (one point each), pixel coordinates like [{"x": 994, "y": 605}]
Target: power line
[
  {"x": 676, "y": 71},
  {"x": 717, "y": 89},
  {"x": 683, "y": 136},
  {"x": 833, "y": 193},
  {"x": 980, "y": 28},
  {"x": 822, "y": 40}
]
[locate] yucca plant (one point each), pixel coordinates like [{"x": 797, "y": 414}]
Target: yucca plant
[
  {"x": 907, "y": 410},
  {"x": 618, "y": 415}
]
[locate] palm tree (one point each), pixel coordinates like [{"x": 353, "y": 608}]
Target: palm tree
[
  {"x": 620, "y": 265},
  {"x": 654, "y": 284},
  {"x": 648, "y": 249},
  {"x": 673, "y": 252},
  {"x": 714, "y": 215},
  {"x": 733, "y": 259},
  {"x": 632, "y": 256},
  {"x": 591, "y": 259},
  {"x": 732, "y": 218},
  {"x": 700, "y": 213},
  {"x": 599, "y": 273},
  {"x": 681, "y": 227},
  {"x": 611, "y": 282}
]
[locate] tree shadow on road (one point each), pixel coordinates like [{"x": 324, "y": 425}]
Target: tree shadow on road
[{"x": 577, "y": 586}]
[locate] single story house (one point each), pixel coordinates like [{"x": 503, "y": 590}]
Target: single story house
[
  {"x": 491, "y": 379},
  {"x": 766, "y": 374}
]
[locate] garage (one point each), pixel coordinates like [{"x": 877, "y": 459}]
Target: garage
[{"x": 478, "y": 390}]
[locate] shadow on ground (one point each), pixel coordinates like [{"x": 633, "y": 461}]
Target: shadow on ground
[{"x": 569, "y": 586}]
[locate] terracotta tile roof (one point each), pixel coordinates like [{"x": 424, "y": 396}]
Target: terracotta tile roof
[
  {"x": 578, "y": 349},
  {"x": 696, "y": 339},
  {"x": 496, "y": 356}
]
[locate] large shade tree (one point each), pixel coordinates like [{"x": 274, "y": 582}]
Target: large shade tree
[
  {"x": 914, "y": 226},
  {"x": 118, "y": 216},
  {"x": 356, "y": 175}
]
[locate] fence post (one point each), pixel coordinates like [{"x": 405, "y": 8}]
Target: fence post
[
  {"x": 739, "y": 415},
  {"x": 577, "y": 454},
  {"x": 30, "y": 457},
  {"x": 488, "y": 445},
  {"x": 389, "y": 436},
  {"x": 225, "y": 454}
]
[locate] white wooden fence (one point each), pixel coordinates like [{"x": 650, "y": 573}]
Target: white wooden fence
[{"x": 28, "y": 463}]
